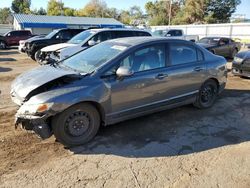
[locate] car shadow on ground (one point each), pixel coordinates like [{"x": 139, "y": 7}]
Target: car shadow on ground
[
  {"x": 179, "y": 131},
  {"x": 7, "y": 59},
  {"x": 3, "y": 69}
]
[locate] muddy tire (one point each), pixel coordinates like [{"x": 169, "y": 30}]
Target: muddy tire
[
  {"x": 207, "y": 95},
  {"x": 77, "y": 125}
]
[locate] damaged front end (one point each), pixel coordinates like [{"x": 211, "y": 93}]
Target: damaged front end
[{"x": 34, "y": 96}]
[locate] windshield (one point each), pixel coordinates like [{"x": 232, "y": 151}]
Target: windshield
[
  {"x": 209, "y": 40},
  {"x": 81, "y": 37},
  {"x": 92, "y": 58},
  {"x": 51, "y": 34}
]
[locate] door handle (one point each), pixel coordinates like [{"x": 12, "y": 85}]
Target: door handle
[
  {"x": 161, "y": 76},
  {"x": 198, "y": 69}
]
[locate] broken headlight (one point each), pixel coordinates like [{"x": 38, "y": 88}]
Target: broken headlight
[{"x": 34, "y": 108}]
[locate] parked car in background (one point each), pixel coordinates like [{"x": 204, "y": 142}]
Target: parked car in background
[
  {"x": 175, "y": 34},
  {"x": 113, "y": 81},
  {"x": 222, "y": 46},
  {"x": 241, "y": 64},
  {"x": 57, "y": 36},
  {"x": 83, "y": 41},
  {"x": 12, "y": 38},
  {"x": 22, "y": 47}
]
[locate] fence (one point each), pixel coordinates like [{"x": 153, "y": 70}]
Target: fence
[
  {"x": 232, "y": 30},
  {"x": 4, "y": 28}
]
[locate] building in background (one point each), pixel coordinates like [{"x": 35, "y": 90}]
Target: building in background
[{"x": 40, "y": 24}]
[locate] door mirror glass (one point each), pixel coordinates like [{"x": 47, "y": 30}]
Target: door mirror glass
[
  {"x": 91, "y": 43},
  {"x": 124, "y": 71}
]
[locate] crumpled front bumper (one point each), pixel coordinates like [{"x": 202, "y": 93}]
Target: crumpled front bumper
[
  {"x": 242, "y": 69},
  {"x": 38, "y": 124}
]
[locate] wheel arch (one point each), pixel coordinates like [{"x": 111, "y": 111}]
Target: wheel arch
[{"x": 216, "y": 81}]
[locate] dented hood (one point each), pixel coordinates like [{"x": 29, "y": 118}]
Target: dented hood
[
  {"x": 56, "y": 47},
  {"x": 31, "y": 80}
]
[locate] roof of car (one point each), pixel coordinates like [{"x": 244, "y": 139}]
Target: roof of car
[
  {"x": 141, "y": 40},
  {"x": 117, "y": 29}
]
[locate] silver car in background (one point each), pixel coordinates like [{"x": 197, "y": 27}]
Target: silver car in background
[{"x": 114, "y": 81}]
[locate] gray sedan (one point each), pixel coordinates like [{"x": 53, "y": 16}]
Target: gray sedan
[{"x": 114, "y": 81}]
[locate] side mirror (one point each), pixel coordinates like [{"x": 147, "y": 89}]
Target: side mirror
[
  {"x": 248, "y": 46},
  {"x": 123, "y": 72},
  {"x": 168, "y": 35},
  {"x": 57, "y": 37},
  {"x": 91, "y": 43}
]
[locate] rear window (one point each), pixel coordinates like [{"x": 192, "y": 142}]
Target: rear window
[{"x": 182, "y": 54}]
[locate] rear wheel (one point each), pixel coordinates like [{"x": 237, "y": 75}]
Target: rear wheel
[
  {"x": 76, "y": 125},
  {"x": 3, "y": 45},
  {"x": 207, "y": 94}
]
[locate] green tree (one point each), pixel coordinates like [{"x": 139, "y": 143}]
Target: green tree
[
  {"x": 4, "y": 15},
  {"x": 21, "y": 6},
  {"x": 158, "y": 11},
  {"x": 55, "y": 8},
  {"x": 40, "y": 11},
  {"x": 69, "y": 11},
  {"x": 220, "y": 11},
  {"x": 94, "y": 8},
  {"x": 193, "y": 11}
]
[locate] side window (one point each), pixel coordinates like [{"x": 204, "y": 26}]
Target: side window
[
  {"x": 141, "y": 33},
  {"x": 65, "y": 35},
  {"x": 102, "y": 36},
  {"x": 182, "y": 54},
  {"x": 148, "y": 58},
  {"x": 175, "y": 33},
  {"x": 121, "y": 34}
]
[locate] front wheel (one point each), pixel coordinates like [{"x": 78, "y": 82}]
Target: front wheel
[
  {"x": 76, "y": 125},
  {"x": 37, "y": 56},
  {"x": 207, "y": 95}
]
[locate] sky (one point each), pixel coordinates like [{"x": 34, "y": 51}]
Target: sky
[{"x": 243, "y": 8}]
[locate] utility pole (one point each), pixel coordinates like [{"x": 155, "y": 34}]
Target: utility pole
[{"x": 170, "y": 12}]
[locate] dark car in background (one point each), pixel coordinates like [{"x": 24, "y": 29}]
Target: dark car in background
[
  {"x": 85, "y": 40},
  {"x": 57, "y": 36},
  {"x": 241, "y": 64},
  {"x": 12, "y": 38},
  {"x": 114, "y": 81},
  {"x": 222, "y": 46}
]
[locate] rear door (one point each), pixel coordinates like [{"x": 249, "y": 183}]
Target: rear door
[{"x": 186, "y": 70}]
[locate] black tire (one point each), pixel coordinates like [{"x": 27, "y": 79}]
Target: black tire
[
  {"x": 3, "y": 45},
  {"x": 235, "y": 51},
  {"x": 76, "y": 125},
  {"x": 37, "y": 55},
  {"x": 207, "y": 95}
]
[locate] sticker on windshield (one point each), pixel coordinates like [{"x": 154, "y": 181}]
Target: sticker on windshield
[{"x": 117, "y": 47}]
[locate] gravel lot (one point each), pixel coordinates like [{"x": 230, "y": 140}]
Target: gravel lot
[{"x": 182, "y": 147}]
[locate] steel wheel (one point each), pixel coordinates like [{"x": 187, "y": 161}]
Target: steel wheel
[
  {"x": 207, "y": 94},
  {"x": 76, "y": 125}
]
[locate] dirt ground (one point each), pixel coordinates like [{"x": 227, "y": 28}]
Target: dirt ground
[{"x": 182, "y": 147}]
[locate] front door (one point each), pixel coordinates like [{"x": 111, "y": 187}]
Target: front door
[{"x": 146, "y": 87}]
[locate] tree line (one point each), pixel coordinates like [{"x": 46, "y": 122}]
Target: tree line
[{"x": 161, "y": 12}]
